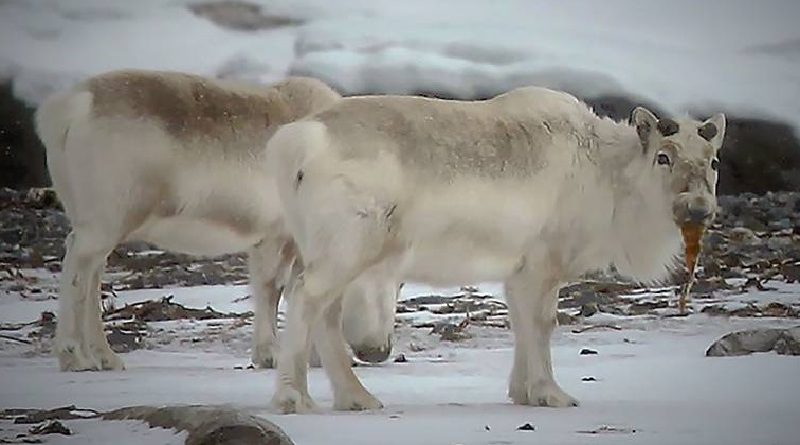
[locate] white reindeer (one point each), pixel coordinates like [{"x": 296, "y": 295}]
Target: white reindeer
[
  {"x": 177, "y": 160},
  {"x": 530, "y": 187}
]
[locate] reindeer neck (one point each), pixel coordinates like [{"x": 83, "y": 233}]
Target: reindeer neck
[{"x": 645, "y": 238}]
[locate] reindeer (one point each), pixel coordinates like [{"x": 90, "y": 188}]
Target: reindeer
[
  {"x": 531, "y": 188},
  {"x": 177, "y": 160}
]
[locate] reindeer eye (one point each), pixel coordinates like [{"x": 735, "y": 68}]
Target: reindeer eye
[
  {"x": 663, "y": 159},
  {"x": 715, "y": 164}
]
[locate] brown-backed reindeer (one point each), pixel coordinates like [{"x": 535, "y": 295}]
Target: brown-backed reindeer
[
  {"x": 530, "y": 188},
  {"x": 178, "y": 160}
]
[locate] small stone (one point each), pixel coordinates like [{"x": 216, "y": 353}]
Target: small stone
[
  {"x": 754, "y": 223},
  {"x": 781, "y": 224},
  {"x": 401, "y": 358},
  {"x": 646, "y": 307},
  {"x": 789, "y": 342},
  {"x": 586, "y": 351},
  {"x": 565, "y": 318},
  {"x": 777, "y": 243},
  {"x": 526, "y": 427},
  {"x": 588, "y": 379},
  {"x": 791, "y": 272},
  {"x": 589, "y": 309},
  {"x": 713, "y": 239},
  {"x": 745, "y": 342}
]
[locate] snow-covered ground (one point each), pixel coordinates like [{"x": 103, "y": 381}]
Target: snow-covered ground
[
  {"x": 652, "y": 384},
  {"x": 736, "y": 55}
]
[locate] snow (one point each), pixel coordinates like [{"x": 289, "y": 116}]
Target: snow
[
  {"x": 660, "y": 385},
  {"x": 97, "y": 432},
  {"x": 736, "y": 55},
  {"x": 118, "y": 433},
  {"x": 653, "y": 383}
]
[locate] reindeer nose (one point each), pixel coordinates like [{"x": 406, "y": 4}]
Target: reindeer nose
[
  {"x": 698, "y": 214},
  {"x": 372, "y": 354}
]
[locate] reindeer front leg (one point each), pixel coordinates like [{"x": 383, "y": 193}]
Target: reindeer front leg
[
  {"x": 271, "y": 264},
  {"x": 304, "y": 312},
  {"x": 533, "y": 302},
  {"x": 348, "y": 392}
]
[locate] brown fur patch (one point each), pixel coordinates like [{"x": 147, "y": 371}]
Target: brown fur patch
[
  {"x": 643, "y": 131},
  {"x": 191, "y": 108},
  {"x": 450, "y": 138}
]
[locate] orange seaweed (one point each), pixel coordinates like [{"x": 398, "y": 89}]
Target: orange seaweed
[{"x": 692, "y": 233}]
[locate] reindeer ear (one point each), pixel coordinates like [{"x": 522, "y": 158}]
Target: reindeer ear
[
  {"x": 713, "y": 130},
  {"x": 645, "y": 122},
  {"x": 667, "y": 127}
]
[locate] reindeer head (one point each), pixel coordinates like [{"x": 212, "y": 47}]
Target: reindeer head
[{"x": 683, "y": 156}]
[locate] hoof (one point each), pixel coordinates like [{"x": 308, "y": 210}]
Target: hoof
[
  {"x": 290, "y": 401},
  {"x": 542, "y": 394},
  {"x": 73, "y": 357},
  {"x": 360, "y": 401}
]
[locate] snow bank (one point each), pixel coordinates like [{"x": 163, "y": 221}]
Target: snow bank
[
  {"x": 737, "y": 55},
  {"x": 682, "y": 55},
  {"x": 50, "y": 44}
]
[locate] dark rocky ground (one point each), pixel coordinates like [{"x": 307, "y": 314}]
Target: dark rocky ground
[{"x": 756, "y": 238}]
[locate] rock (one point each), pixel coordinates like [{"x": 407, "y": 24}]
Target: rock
[
  {"x": 588, "y": 379},
  {"x": 791, "y": 272},
  {"x": 207, "y": 425},
  {"x": 526, "y": 427},
  {"x": 31, "y": 416},
  {"x": 51, "y": 427},
  {"x": 165, "y": 310},
  {"x": 127, "y": 337},
  {"x": 401, "y": 358},
  {"x": 428, "y": 299},
  {"x": 713, "y": 239},
  {"x": 759, "y": 156},
  {"x": 781, "y": 224},
  {"x": 452, "y": 332},
  {"x": 22, "y": 155},
  {"x": 741, "y": 235},
  {"x": 565, "y": 318},
  {"x": 589, "y": 309},
  {"x": 586, "y": 351},
  {"x": 754, "y": 223},
  {"x": 646, "y": 307},
  {"x": 604, "y": 429},
  {"x": 11, "y": 236},
  {"x": 783, "y": 341},
  {"x": 778, "y": 242},
  {"x": 240, "y": 15},
  {"x": 776, "y": 309},
  {"x": 789, "y": 342}
]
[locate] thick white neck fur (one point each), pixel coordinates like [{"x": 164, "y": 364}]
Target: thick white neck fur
[{"x": 645, "y": 240}]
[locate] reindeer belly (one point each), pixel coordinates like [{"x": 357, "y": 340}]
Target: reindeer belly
[
  {"x": 470, "y": 231},
  {"x": 453, "y": 264},
  {"x": 217, "y": 212}
]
